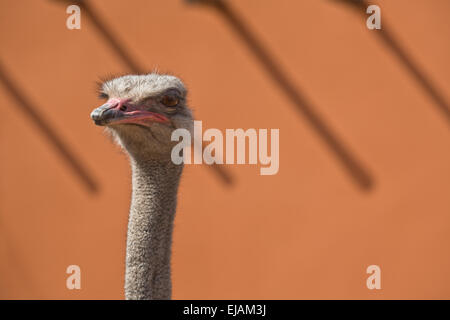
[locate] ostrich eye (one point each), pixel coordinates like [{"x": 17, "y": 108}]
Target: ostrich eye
[
  {"x": 103, "y": 95},
  {"x": 169, "y": 101}
]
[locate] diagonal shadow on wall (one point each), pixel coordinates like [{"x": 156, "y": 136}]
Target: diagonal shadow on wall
[
  {"x": 358, "y": 173},
  {"x": 63, "y": 149},
  {"x": 391, "y": 43}
]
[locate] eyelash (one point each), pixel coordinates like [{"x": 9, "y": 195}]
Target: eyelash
[{"x": 171, "y": 109}]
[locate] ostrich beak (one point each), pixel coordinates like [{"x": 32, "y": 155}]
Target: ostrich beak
[
  {"x": 104, "y": 113},
  {"x": 117, "y": 111}
]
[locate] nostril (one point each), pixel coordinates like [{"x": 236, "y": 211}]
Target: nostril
[{"x": 123, "y": 108}]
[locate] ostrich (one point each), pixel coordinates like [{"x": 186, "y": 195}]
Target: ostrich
[{"x": 140, "y": 113}]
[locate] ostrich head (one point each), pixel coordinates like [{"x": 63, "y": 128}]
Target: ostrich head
[{"x": 141, "y": 111}]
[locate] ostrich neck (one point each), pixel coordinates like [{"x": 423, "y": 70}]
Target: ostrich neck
[{"x": 149, "y": 238}]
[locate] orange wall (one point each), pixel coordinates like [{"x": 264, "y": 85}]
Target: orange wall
[{"x": 307, "y": 232}]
